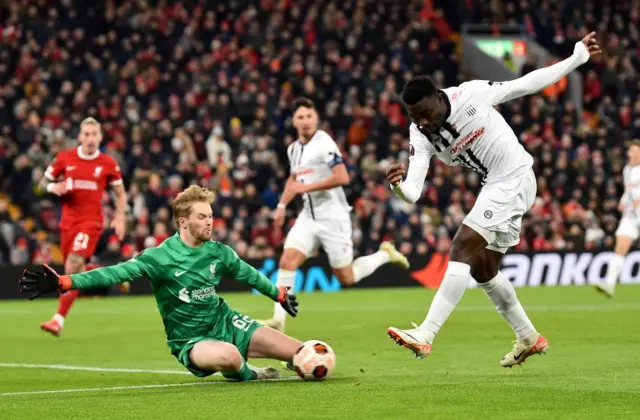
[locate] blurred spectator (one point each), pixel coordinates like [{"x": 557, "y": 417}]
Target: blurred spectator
[{"x": 199, "y": 92}]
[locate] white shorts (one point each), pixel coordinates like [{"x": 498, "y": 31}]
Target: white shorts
[
  {"x": 628, "y": 226},
  {"x": 497, "y": 213},
  {"x": 333, "y": 235}
]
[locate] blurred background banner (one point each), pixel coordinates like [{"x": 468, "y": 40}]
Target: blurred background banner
[{"x": 523, "y": 269}]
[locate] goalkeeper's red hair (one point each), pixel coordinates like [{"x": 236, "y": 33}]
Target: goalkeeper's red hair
[{"x": 193, "y": 216}]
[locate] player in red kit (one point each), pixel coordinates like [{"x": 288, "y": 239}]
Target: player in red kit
[{"x": 80, "y": 177}]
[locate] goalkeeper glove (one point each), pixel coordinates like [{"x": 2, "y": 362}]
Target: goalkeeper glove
[
  {"x": 288, "y": 301},
  {"x": 48, "y": 281}
]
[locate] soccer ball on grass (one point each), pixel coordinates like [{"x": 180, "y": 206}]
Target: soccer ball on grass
[{"x": 314, "y": 361}]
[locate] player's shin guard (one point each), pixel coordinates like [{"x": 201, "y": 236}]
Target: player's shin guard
[
  {"x": 501, "y": 292},
  {"x": 244, "y": 374},
  {"x": 66, "y": 300},
  {"x": 449, "y": 294},
  {"x": 285, "y": 278}
]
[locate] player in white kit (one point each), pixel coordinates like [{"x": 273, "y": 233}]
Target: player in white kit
[
  {"x": 460, "y": 126},
  {"x": 318, "y": 174},
  {"x": 629, "y": 226}
]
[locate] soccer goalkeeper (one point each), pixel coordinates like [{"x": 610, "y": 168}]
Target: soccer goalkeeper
[{"x": 203, "y": 332}]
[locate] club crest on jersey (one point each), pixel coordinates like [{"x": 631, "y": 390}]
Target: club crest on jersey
[
  {"x": 212, "y": 270},
  {"x": 97, "y": 171}
]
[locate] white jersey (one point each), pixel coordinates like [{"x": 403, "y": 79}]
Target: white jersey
[
  {"x": 631, "y": 180},
  {"x": 311, "y": 162},
  {"x": 474, "y": 134}
]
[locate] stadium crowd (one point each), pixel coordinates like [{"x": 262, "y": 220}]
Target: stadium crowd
[{"x": 198, "y": 92}]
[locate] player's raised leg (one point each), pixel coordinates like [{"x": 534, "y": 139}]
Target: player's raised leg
[
  {"x": 335, "y": 237},
  {"x": 623, "y": 245},
  {"x": 218, "y": 356},
  {"x": 465, "y": 246},
  {"x": 363, "y": 267},
  {"x": 486, "y": 271}
]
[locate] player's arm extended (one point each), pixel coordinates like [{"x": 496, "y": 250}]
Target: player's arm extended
[
  {"x": 539, "y": 79},
  {"x": 410, "y": 190},
  {"x": 105, "y": 276},
  {"x": 242, "y": 272}
]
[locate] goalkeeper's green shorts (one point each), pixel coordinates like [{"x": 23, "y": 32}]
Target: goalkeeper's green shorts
[{"x": 236, "y": 329}]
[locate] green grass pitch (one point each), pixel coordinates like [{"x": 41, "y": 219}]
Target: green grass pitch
[{"x": 592, "y": 369}]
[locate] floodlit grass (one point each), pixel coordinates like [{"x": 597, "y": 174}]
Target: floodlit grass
[{"x": 592, "y": 369}]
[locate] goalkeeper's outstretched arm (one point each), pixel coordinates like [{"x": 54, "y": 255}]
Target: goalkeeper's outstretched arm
[
  {"x": 242, "y": 272},
  {"x": 105, "y": 276},
  {"x": 48, "y": 281}
]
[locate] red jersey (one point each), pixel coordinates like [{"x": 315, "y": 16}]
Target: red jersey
[{"x": 87, "y": 177}]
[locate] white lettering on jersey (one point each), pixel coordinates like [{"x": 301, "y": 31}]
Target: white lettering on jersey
[
  {"x": 183, "y": 295},
  {"x": 467, "y": 140},
  {"x": 187, "y": 295},
  {"x": 80, "y": 184},
  {"x": 475, "y": 136},
  {"x": 312, "y": 162}
]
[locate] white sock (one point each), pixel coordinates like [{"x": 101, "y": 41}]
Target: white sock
[
  {"x": 614, "y": 269},
  {"x": 503, "y": 295},
  {"x": 285, "y": 278},
  {"x": 59, "y": 318},
  {"x": 449, "y": 294},
  {"x": 365, "y": 266}
]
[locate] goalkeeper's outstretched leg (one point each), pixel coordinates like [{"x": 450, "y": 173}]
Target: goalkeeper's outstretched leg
[
  {"x": 272, "y": 344},
  {"x": 218, "y": 356},
  {"x": 210, "y": 356}
]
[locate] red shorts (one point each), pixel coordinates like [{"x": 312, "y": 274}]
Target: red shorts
[{"x": 79, "y": 240}]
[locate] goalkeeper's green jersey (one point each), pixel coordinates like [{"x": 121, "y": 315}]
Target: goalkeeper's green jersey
[{"x": 184, "y": 280}]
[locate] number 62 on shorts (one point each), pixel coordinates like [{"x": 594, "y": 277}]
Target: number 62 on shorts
[{"x": 242, "y": 322}]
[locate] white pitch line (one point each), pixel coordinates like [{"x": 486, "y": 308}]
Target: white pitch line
[
  {"x": 620, "y": 306},
  {"x": 92, "y": 368},
  {"x": 119, "y": 388},
  {"x": 613, "y": 306}
]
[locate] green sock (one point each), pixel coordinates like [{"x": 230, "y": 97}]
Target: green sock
[{"x": 244, "y": 374}]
